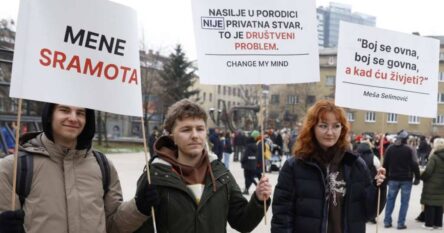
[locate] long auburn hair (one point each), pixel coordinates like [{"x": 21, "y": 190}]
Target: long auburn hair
[{"x": 306, "y": 143}]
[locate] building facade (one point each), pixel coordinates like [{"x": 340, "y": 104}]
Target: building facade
[{"x": 329, "y": 18}]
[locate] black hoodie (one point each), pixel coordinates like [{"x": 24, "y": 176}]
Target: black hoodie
[{"x": 84, "y": 140}]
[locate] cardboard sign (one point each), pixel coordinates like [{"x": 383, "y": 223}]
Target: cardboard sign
[
  {"x": 256, "y": 41},
  {"x": 386, "y": 71},
  {"x": 81, "y": 52}
]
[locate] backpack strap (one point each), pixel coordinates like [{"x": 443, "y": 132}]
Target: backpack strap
[
  {"x": 104, "y": 168},
  {"x": 25, "y": 168}
]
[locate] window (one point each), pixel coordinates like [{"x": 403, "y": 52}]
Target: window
[
  {"x": 203, "y": 96},
  {"x": 225, "y": 90},
  {"x": 370, "y": 117},
  {"x": 274, "y": 99},
  {"x": 218, "y": 89},
  {"x": 439, "y": 120},
  {"x": 392, "y": 118},
  {"x": 311, "y": 99},
  {"x": 2, "y": 104},
  {"x": 229, "y": 90},
  {"x": 440, "y": 98},
  {"x": 350, "y": 116},
  {"x": 441, "y": 76},
  {"x": 234, "y": 91},
  {"x": 413, "y": 119},
  {"x": 229, "y": 105},
  {"x": 210, "y": 98},
  {"x": 292, "y": 99},
  {"x": 330, "y": 81}
]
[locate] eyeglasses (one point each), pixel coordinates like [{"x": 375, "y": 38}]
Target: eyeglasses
[{"x": 323, "y": 128}]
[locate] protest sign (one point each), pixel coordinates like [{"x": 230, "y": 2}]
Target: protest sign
[
  {"x": 82, "y": 53},
  {"x": 386, "y": 71},
  {"x": 256, "y": 41}
]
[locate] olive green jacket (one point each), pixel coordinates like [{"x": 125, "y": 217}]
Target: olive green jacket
[
  {"x": 178, "y": 211},
  {"x": 433, "y": 177}
]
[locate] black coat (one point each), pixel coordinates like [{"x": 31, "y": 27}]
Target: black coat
[
  {"x": 299, "y": 203},
  {"x": 249, "y": 157}
]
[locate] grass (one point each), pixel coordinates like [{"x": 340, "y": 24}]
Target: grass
[{"x": 118, "y": 147}]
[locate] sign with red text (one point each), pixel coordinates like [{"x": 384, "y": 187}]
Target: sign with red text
[
  {"x": 386, "y": 71},
  {"x": 82, "y": 52},
  {"x": 256, "y": 41}
]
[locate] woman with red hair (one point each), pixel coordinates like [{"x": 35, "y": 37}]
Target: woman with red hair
[{"x": 325, "y": 188}]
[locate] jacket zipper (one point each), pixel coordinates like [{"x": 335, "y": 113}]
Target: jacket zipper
[{"x": 325, "y": 212}]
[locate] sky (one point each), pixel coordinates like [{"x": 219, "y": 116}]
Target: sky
[{"x": 166, "y": 23}]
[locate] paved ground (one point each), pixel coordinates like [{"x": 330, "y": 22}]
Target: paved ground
[{"x": 130, "y": 167}]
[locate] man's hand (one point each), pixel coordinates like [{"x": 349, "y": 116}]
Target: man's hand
[
  {"x": 146, "y": 196},
  {"x": 380, "y": 176},
  {"x": 12, "y": 221},
  {"x": 263, "y": 189},
  {"x": 416, "y": 181}
]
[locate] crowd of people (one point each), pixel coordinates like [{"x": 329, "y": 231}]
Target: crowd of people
[{"x": 329, "y": 182}]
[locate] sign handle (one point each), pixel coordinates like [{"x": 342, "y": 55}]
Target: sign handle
[
  {"x": 262, "y": 118},
  {"x": 148, "y": 170}
]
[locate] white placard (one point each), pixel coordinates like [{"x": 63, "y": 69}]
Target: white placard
[
  {"x": 79, "y": 52},
  {"x": 386, "y": 71},
  {"x": 256, "y": 41}
]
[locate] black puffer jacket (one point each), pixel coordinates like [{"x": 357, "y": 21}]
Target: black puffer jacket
[
  {"x": 249, "y": 158},
  {"x": 299, "y": 203}
]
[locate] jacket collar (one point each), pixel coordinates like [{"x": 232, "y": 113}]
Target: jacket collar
[{"x": 39, "y": 143}]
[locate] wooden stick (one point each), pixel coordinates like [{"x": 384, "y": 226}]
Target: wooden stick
[
  {"x": 381, "y": 154},
  {"x": 262, "y": 119},
  {"x": 148, "y": 170},
  {"x": 17, "y": 134}
]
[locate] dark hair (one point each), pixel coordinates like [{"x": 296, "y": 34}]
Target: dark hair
[
  {"x": 306, "y": 142},
  {"x": 84, "y": 140},
  {"x": 183, "y": 109}
]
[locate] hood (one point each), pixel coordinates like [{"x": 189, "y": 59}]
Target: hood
[
  {"x": 364, "y": 148},
  {"x": 84, "y": 140},
  {"x": 166, "y": 150},
  {"x": 440, "y": 154}
]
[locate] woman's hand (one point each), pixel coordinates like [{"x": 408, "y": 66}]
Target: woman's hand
[
  {"x": 263, "y": 189},
  {"x": 380, "y": 176}
]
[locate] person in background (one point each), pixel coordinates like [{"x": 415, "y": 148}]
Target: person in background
[
  {"x": 216, "y": 145},
  {"x": 432, "y": 196},
  {"x": 191, "y": 190},
  {"x": 279, "y": 143},
  {"x": 423, "y": 150},
  {"x": 152, "y": 138},
  {"x": 239, "y": 143},
  {"x": 401, "y": 164},
  {"x": 365, "y": 151},
  {"x": 324, "y": 187},
  {"x": 227, "y": 149},
  {"x": 421, "y": 216},
  {"x": 249, "y": 162}
]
